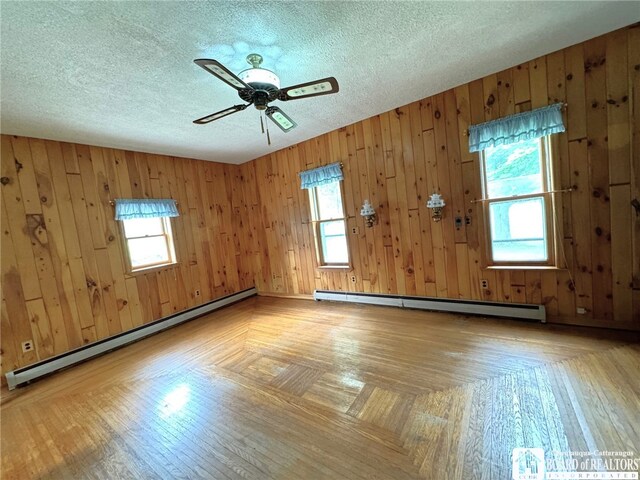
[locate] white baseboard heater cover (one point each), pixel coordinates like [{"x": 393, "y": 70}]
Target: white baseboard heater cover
[
  {"x": 470, "y": 307},
  {"x": 45, "y": 367}
]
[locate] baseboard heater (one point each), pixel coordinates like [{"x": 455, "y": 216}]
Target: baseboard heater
[
  {"x": 31, "y": 372},
  {"x": 469, "y": 307}
]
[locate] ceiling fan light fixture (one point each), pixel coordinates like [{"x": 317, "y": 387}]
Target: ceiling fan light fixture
[{"x": 259, "y": 76}]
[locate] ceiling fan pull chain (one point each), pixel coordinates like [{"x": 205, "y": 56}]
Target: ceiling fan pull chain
[
  {"x": 261, "y": 123},
  {"x": 268, "y": 137}
]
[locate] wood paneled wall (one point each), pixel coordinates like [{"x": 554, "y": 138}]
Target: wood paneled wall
[
  {"x": 398, "y": 158},
  {"x": 63, "y": 271}
]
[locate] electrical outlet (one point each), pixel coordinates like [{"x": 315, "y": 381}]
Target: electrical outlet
[
  {"x": 581, "y": 310},
  {"x": 27, "y": 346},
  {"x": 484, "y": 283},
  {"x": 355, "y": 230},
  {"x": 197, "y": 293},
  {"x": 353, "y": 279}
]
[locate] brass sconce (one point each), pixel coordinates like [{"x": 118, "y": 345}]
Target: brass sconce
[
  {"x": 436, "y": 204},
  {"x": 368, "y": 213}
]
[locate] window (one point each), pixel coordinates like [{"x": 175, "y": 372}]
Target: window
[
  {"x": 327, "y": 214},
  {"x": 518, "y": 205},
  {"x": 146, "y": 224},
  {"x": 517, "y": 186},
  {"x": 149, "y": 242}
]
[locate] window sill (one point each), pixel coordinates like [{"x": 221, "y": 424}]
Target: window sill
[
  {"x": 336, "y": 267},
  {"x": 157, "y": 268},
  {"x": 523, "y": 267}
]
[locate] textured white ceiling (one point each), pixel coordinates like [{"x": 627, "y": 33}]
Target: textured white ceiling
[{"x": 121, "y": 74}]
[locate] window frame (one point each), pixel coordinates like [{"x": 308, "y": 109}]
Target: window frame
[
  {"x": 550, "y": 204},
  {"x": 167, "y": 233},
  {"x": 316, "y": 225}
]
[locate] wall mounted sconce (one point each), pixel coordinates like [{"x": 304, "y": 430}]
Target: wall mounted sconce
[
  {"x": 368, "y": 213},
  {"x": 436, "y": 204}
]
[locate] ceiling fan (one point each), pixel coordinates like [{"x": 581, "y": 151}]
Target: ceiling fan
[{"x": 259, "y": 87}]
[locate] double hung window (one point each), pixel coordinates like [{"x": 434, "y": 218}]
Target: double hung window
[
  {"x": 149, "y": 242},
  {"x": 327, "y": 214},
  {"x": 518, "y": 205},
  {"x": 517, "y": 186},
  {"x": 146, "y": 227}
]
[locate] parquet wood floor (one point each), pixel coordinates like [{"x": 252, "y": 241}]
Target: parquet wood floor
[{"x": 293, "y": 389}]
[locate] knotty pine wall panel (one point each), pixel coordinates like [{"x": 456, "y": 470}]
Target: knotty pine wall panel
[
  {"x": 64, "y": 280},
  {"x": 398, "y": 158},
  {"x": 63, "y": 274}
]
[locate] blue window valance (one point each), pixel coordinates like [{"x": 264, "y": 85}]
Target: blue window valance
[
  {"x": 321, "y": 176},
  {"x": 130, "y": 208},
  {"x": 516, "y": 128}
]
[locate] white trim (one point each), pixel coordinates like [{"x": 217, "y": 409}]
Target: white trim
[
  {"x": 45, "y": 367},
  {"x": 475, "y": 307}
]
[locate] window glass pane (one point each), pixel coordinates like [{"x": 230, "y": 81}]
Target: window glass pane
[
  {"x": 513, "y": 169},
  {"x": 329, "y": 201},
  {"x": 334, "y": 242},
  {"x": 148, "y": 251},
  {"x": 140, "y": 227},
  {"x": 518, "y": 230}
]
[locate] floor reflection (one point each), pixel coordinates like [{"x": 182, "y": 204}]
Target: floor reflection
[{"x": 174, "y": 401}]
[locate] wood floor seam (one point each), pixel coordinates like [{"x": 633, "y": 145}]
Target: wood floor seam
[{"x": 275, "y": 391}]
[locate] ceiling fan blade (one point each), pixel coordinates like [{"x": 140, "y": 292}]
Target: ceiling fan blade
[
  {"x": 280, "y": 118},
  {"x": 223, "y": 73},
  {"x": 324, "y": 86},
  {"x": 220, "y": 114}
]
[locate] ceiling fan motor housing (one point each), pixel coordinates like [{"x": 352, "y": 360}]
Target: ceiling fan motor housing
[
  {"x": 262, "y": 94},
  {"x": 265, "y": 83},
  {"x": 260, "y": 98}
]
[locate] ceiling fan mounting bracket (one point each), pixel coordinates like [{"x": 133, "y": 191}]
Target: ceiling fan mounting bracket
[{"x": 254, "y": 59}]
